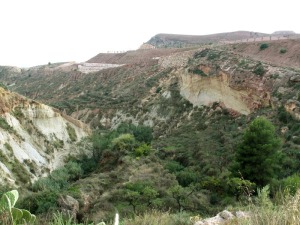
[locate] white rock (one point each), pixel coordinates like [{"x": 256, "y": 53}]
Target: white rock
[{"x": 226, "y": 215}]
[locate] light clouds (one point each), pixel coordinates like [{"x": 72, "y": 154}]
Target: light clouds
[{"x": 40, "y": 31}]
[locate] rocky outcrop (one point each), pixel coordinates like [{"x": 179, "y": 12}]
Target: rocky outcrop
[
  {"x": 293, "y": 108},
  {"x": 94, "y": 67},
  {"x": 69, "y": 206},
  {"x": 34, "y": 138},
  {"x": 176, "y": 59},
  {"x": 223, "y": 218},
  {"x": 224, "y": 87}
]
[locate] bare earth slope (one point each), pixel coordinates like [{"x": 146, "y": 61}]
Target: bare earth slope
[
  {"x": 132, "y": 57},
  {"x": 274, "y": 54}
]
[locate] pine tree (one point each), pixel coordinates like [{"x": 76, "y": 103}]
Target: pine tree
[{"x": 257, "y": 156}]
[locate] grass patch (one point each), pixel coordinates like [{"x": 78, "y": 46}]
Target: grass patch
[
  {"x": 158, "y": 218},
  {"x": 4, "y": 125},
  {"x": 71, "y": 133}
]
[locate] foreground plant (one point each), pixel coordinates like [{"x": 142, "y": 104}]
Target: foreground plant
[{"x": 9, "y": 215}]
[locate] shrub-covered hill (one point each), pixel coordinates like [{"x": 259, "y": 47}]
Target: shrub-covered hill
[{"x": 196, "y": 105}]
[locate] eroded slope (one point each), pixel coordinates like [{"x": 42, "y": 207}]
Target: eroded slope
[{"x": 34, "y": 138}]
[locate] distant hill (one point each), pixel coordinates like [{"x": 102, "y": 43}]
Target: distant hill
[
  {"x": 178, "y": 40},
  {"x": 284, "y": 32}
]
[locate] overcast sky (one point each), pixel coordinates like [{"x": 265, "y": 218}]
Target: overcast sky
[{"x": 35, "y": 32}]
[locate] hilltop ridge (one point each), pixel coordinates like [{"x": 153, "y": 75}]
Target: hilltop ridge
[{"x": 178, "y": 40}]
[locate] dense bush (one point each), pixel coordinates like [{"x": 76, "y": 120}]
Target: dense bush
[
  {"x": 263, "y": 46},
  {"x": 142, "y": 150},
  {"x": 283, "y": 50},
  {"x": 259, "y": 69}
]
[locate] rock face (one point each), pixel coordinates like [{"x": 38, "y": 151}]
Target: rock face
[
  {"x": 207, "y": 90},
  {"x": 222, "y": 87},
  {"x": 34, "y": 138}
]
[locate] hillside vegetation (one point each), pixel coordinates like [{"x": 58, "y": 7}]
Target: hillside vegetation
[{"x": 176, "y": 134}]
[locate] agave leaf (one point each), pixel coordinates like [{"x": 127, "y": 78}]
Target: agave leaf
[
  {"x": 28, "y": 217},
  {"x": 13, "y": 197},
  {"x": 17, "y": 214},
  {"x": 5, "y": 204},
  {"x": 33, "y": 218}
]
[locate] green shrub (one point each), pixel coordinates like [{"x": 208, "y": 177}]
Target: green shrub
[
  {"x": 283, "y": 115},
  {"x": 197, "y": 71},
  {"x": 259, "y": 69},
  {"x": 4, "y": 125},
  {"x": 291, "y": 184},
  {"x": 283, "y": 50},
  {"x": 140, "y": 195},
  {"x": 142, "y": 150},
  {"x": 263, "y": 46},
  {"x": 123, "y": 143},
  {"x": 74, "y": 170},
  {"x": 186, "y": 177},
  {"x": 141, "y": 133},
  {"x": 174, "y": 166},
  {"x": 158, "y": 89},
  {"x": 59, "y": 179},
  {"x": 41, "y": 202}
]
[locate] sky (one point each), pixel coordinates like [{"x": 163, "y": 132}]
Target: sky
[{"x": 35, "y": 32}]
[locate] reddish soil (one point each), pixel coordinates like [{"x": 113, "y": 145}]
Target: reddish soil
[{"x": 290, "y": 58}]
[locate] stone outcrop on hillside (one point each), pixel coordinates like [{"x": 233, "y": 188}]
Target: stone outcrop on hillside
[
  {"x": 293, "y": 108},
  {"x": 225, "y": 88},
  {"x": 223, "y": 218},
  {"x": 34, "y": 138},
  {"x": 94, "y": 67}
]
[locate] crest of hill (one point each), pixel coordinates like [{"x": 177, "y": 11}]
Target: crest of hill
[
  {"x": 171, "y": 40},
  {"x": 132, "y": 57}
]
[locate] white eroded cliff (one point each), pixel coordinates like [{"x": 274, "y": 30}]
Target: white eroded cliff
[{"x": 34, "y": 138}]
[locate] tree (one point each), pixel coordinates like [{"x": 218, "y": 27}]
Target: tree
[
  {"x": 257, "y": 156},
  {"x": 140, "y": 194}
]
